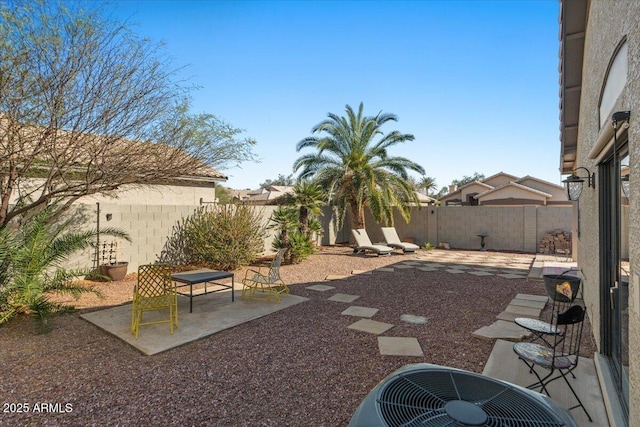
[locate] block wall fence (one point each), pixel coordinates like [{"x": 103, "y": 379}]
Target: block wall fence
[{"x": 510, "y": 228}]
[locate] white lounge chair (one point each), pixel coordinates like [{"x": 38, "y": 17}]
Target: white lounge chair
[
  {"x": 363, "y": 243},
  {"x": 391, "y": 237}
]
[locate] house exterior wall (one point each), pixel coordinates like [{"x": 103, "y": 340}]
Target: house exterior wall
[
  {"x": 178, "y": 195},
  {"x": 608, "y": 24},
  {"x": 156, "y": 194}
]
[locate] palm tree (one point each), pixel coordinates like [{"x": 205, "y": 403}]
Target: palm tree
[
  {"x": 32, "y": 267},
  {"x": 308, "y": 197},
  {"x": 428, "y": 184},
  {"x": 352, "y": 164}
]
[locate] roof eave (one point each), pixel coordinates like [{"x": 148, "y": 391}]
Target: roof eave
[{"x": 573, "y": 23}]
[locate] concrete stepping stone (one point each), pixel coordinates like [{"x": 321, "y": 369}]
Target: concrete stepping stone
[
  {"x": 462, "y": 267},
  {"x": 543, "y": 298},
  {"x": 404, "y": 266},
  {"x": 370, "y": 326},
  {"x": 355, "y": 310},
  {"x": 509, "y": 316},
  {"x": 513, "y": 276},
  {"x": 320, "y": 288},
  {"x": 523, "y": 311},
  {"x": 412, "y": 318},
  {"x": 344, "y": 298},
  {"x": 361, "y": 272},
  {"x": 502, "y": 329},
  {"x": 480, "y": 273},
  {"x": 454, "y": 271},
  {"x": 389, "y": 269},
  {"x": 528, "y": 303},
  {"x": 399, "y": 346},
  {"x": 414, "y": 263},
  {"x": 427, "y": 269},
  {"x": 335, "y": 277},
  {"x": 434, "y": 265}
]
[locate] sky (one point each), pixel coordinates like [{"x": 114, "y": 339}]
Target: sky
[{"x": 476, "y": 82}]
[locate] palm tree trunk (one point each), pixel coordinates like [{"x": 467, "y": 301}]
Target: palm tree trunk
[{"x": 357, "y": 219}]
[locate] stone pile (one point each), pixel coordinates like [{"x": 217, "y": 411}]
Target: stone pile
[{"x": 557, "y": 241}]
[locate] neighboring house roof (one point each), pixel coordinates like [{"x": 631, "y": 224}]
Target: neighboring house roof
[
  {"x": 270, "y": 193},
  {"x": 500, "y": 177},
  {"x": 495, "y": 191},
  {"x": 526, "y": 185},
  {"x": 458, "y": 192},
  {"x": 542, "y": 181},
  {"x": 423, "y": 198}
]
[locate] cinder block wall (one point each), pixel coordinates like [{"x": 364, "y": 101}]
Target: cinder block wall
[
  {"x": 515, "y": 228},
  {"x": 149, "y": 226}
]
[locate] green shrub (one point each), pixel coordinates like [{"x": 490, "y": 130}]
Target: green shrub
[
  {"x": 428, "y": 246},
  {"x": 299, "y": 246},
  {"x": 33, "y": 270},
  {"x": 223, "y": 237}
]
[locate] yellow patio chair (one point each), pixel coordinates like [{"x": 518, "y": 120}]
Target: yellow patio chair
[
  {"x": 266, "y": 282},
  {"x": 154, "y": 291}
]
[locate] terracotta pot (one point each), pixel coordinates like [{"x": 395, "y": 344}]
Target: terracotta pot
[{"x": 114, "y": 271}]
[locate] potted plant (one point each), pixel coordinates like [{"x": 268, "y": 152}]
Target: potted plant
[{"x": 109, "y": 264}]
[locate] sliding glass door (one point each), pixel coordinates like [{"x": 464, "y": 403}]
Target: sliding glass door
[{"x": 614, "y": 268}]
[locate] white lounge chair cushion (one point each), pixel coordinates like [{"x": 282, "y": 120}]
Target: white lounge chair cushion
[{"x": 391, "y": 237}]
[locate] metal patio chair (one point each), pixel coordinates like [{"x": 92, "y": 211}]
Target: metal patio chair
[
  {"x": 562, "y": 290},
  {"x": 154, "y": 291},
  {"x": 561, "y": 358},
  {"x": 265, "y": 282}
]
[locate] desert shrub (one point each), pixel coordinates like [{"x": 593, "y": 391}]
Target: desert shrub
[{"x": 223, "y": 237}]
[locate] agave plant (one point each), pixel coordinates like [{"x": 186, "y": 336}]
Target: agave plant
[{"x": 32, "y": 267}]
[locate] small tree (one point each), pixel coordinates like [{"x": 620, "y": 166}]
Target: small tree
[
  {"x": 280, "y": 180},
  {"x": 467, "y": 179},
  {"x": 87, "y": 106}
]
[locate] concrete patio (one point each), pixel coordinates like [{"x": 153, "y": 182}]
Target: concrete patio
[{"x": 212, "y": 313}]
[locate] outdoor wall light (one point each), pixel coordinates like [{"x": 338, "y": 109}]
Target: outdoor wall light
[
  {"x": 624, "y": 183},
  {"x": 575, "y": 182}
]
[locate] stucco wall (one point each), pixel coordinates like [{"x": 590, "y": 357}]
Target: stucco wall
[{"x": 608, "y": 24}]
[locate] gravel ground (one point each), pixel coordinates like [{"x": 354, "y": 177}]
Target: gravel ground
[{"x": 297, "y": 367}]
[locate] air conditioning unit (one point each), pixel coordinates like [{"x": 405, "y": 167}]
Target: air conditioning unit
[{"x": 430, "y": 395}]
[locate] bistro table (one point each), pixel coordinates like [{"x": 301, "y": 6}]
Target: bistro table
[{"x": 190, "y": 278}]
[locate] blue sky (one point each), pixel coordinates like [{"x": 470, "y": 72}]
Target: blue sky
[{"x": 476, "y": 82}]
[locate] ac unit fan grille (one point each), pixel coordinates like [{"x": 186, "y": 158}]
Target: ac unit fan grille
[{"x": 418, "y": 398}]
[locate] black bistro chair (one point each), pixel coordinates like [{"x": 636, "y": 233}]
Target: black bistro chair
[
  {"x": 562, "y": 289},
  {"x": 559, "y": 359}
]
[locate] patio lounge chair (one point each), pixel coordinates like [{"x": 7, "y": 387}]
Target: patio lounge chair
[
  {"x": 391, "y": 237},
  {"x": 266, "y": 282},
  {"x": 363, "y": 244}
]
